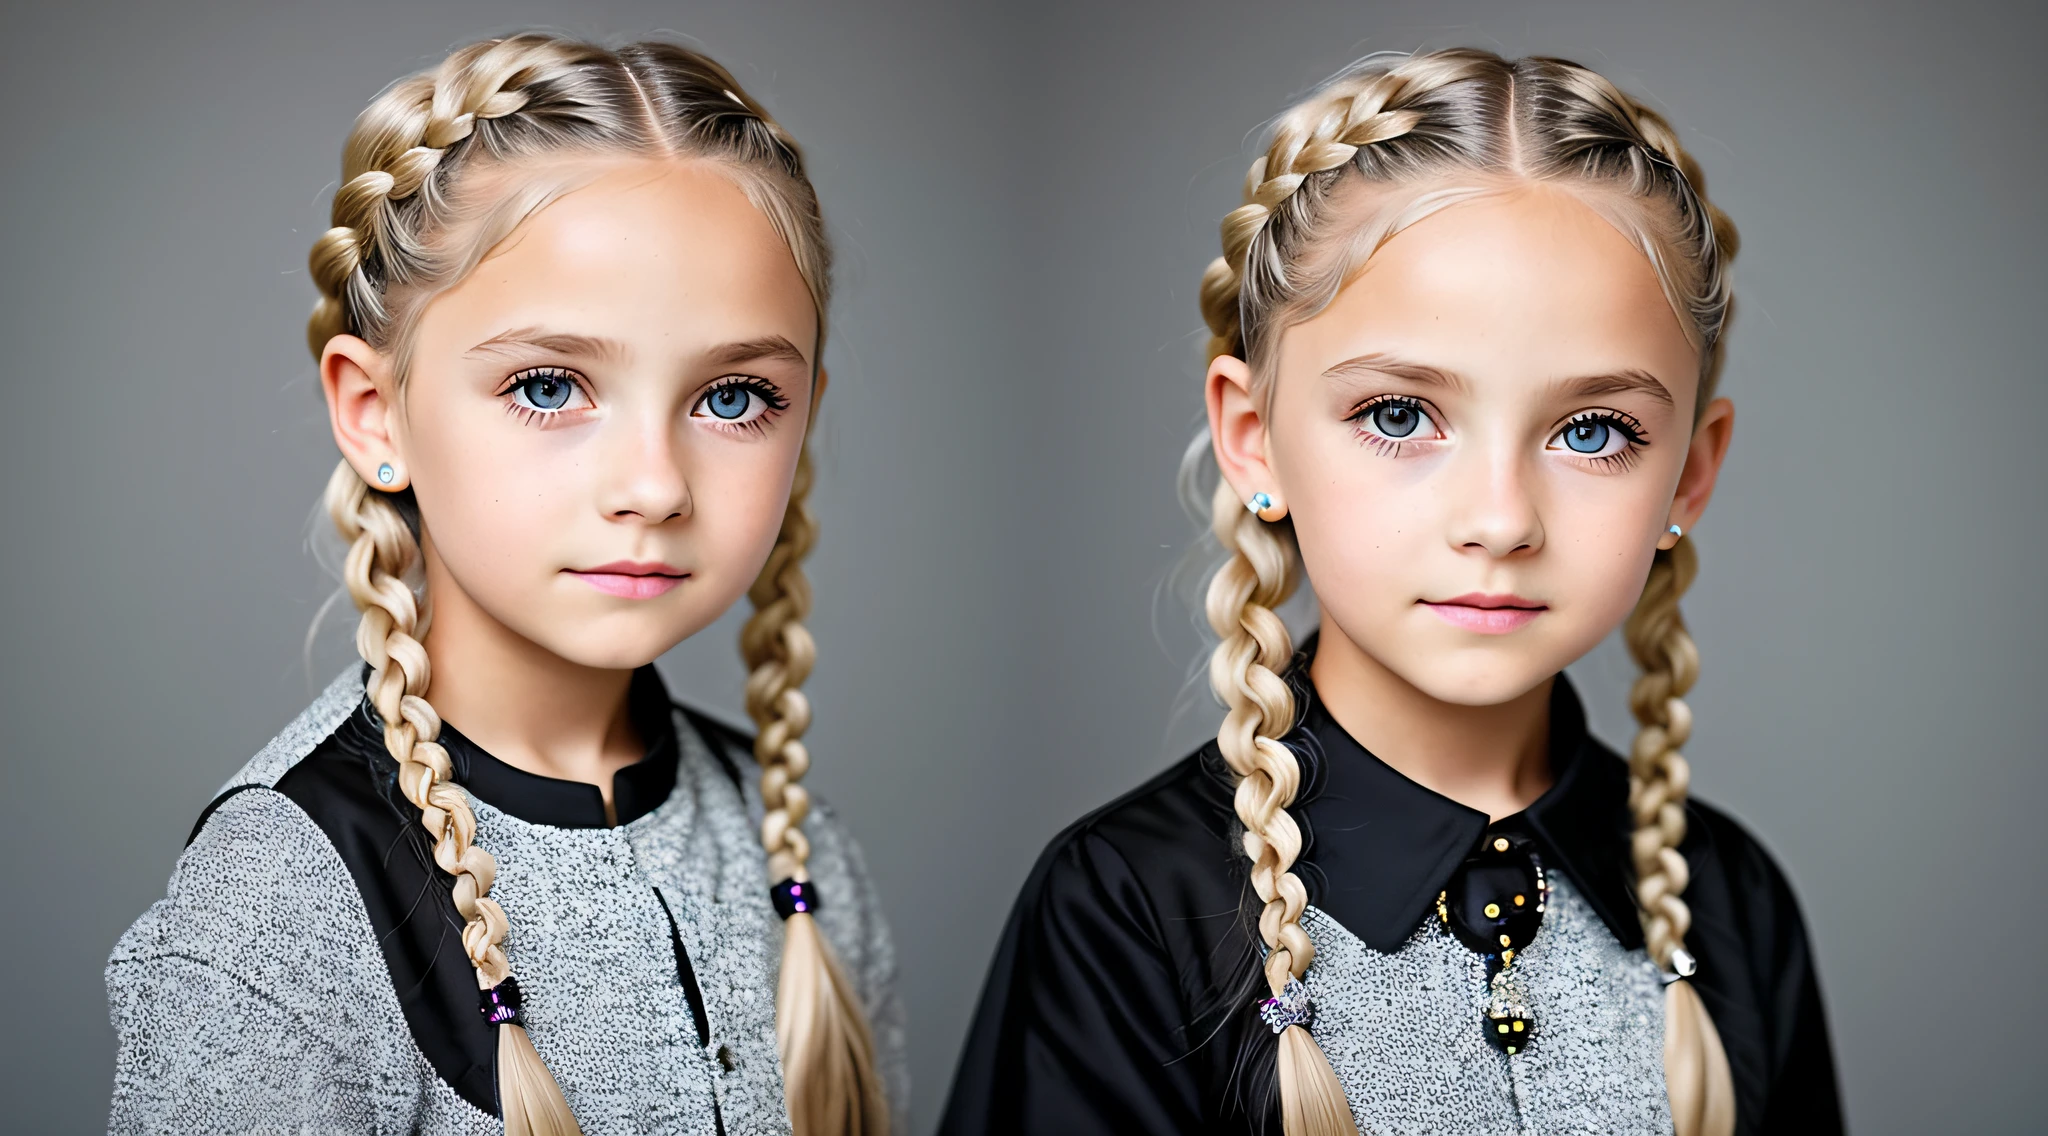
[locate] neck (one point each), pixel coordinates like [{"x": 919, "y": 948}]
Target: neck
[
  {"x": 1495, "y": 759},
  {"x": 525, "y": 705}
]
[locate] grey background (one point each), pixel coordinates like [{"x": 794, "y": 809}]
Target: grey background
[{"x": 1023, "y": 201}]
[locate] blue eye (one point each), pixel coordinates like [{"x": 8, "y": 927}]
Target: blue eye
[
  {"x": 1587, "y": 437},
  {"x": 1395, "y": 420},
  {"x": 745, "y": 401},
  {"x": 1608, "y": 438},
  {"x": 729, "y": 402},
  {"x": 544, "y": 392}
]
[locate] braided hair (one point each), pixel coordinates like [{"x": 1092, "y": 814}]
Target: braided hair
[
  {"x": 1444, "y": 126},
  {"x": 408, "y": 224}
]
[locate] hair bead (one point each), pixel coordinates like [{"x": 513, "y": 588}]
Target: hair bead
[
  {"x": 1291, "y": 1007},
  {"x": 794, "y": 897},
  {"x": 501, "y": 1004}
]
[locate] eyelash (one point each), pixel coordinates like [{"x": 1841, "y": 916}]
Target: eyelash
[
  {"x": 770, "y": 395},
  {"x": 528, "y": 414},
  {"x": 1390, "y": 447},
  {"x": 1626, "y": 425}
]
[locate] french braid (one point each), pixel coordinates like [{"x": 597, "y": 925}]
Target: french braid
[
  {"x": 398, "y": 220},
  {"x": 1427, "y": 118}
]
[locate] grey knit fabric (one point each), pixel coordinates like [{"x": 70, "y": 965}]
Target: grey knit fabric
[
  {"x": 255, "y": 998},
  {"x": 1402, "y": 1031}
]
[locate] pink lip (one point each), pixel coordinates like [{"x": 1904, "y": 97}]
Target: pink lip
[
  {"x": 631, "y": 579},
  {"x": 1487, "y": 614}
]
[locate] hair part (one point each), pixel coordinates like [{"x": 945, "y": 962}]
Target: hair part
[
  {"x": 439, "y": 169},
  {"x": 1388, "y": 142}
]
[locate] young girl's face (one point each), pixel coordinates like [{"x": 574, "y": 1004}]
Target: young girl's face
[
  {"x": 1481, "y": 442},
  {"x": 603, "y": 419}
]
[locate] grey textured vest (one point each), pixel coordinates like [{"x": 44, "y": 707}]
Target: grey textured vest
[{"x": 255, "y": 996}]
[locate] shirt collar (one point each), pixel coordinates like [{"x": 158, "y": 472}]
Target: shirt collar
[
  {"x": 1379, "y": 847},
  {"x": 637, "y": 790}
]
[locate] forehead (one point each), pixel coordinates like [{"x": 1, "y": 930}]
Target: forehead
[
  {"x": 664, "y": 250},
  {"x": 1523, "y": 283}
]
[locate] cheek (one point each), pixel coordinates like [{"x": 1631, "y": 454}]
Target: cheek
[
  {"x": 497, "y": 496},
  {"x": 738, "y": 499},
  {"x": 1361, "y": 520},
  {"x": 1599, "y": 539}
]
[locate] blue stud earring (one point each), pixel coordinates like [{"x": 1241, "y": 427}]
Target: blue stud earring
[
  {"x": 386, "y": 475},
  {"x": 1259, "y": 503},
  {"x": 1674, "y": 530}
]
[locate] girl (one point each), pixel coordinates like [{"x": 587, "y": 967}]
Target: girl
[
  {"x": 570, "y": 320},
  {"x": 1465, "y": 336}
]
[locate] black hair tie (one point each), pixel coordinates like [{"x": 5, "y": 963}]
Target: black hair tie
[
  {"x": 500, "y": 1003},
  {"x": 793, "y": 896}
]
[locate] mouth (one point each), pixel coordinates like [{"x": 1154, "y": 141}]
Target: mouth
[
  {"x": 1487, "y": 614},
  {"x": 631, "y": 579}
]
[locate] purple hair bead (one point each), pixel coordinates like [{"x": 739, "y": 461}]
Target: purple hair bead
[
  {"x": 500, "y": 1003},
  {"x": 794, "y": 896}
]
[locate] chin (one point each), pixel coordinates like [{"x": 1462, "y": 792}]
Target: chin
[
  {"x": 604, "y": 646},
  {"x": 1475, "y": 681}
]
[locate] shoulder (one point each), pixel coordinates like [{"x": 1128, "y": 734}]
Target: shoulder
[
  {"x": 297, "y": 739},
  {"x": 1738, "y": 883},
  {"x": 257, "y": 875},
  {"x": 1159, "y": 856},
  {"x": 1718, "y": 843},
  {"x": 729, "y": 749}
]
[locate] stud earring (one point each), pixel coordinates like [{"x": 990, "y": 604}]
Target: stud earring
[
  {"x": 386, "y": 475},
  {"x": 1261, "y": 506},
  {"x": 1674, "y": 530}
]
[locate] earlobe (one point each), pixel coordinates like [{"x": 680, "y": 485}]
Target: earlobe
[{"x": 356, "y": 379}]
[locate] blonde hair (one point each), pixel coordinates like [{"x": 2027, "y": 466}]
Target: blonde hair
[
  {"x": 408, "y": 223},
  {"x": 1423, "y": 132}
]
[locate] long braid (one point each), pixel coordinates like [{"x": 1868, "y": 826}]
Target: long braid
[
  {"x": 828, "y": 1063},
  {"x": 1422, "y": 117},
  {"x": 1695, "y": 1065},
  {"x": 1244, "y": 671}
]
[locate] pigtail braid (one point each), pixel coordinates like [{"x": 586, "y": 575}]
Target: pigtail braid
[
  {"x": 828, "y": 1062},
  {"x": 1244, "y": 672},
  {"x": 1695, "y": 1064},
  {"x": 381, "y": 552}
]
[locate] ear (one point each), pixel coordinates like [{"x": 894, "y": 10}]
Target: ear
[
  {"x": 362, "y": 405},
  {"x": 1702, "y": 464},
  {"x": 1237, "y": 432}
]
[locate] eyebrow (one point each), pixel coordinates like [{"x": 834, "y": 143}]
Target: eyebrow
[
  {"x": 554, "y": 342},
  {"x": 1614, "y": 382},
  {"x": 1381, "y": 363},
  {"x": 747, "y": 351},
  {"x": 1580, "y": 386}
]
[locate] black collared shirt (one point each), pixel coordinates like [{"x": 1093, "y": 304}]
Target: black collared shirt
[{"x": 1121, "y": 997}]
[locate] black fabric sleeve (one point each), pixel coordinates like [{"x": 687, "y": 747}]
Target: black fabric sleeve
[
  {"x": 1757, "y": 974},
  {"x": 1080, "y": 1028}
]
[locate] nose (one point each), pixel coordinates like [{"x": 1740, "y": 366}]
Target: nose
[
  {"x": 646, "y": 481},
  {"x": 1492, "y": 509}
]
